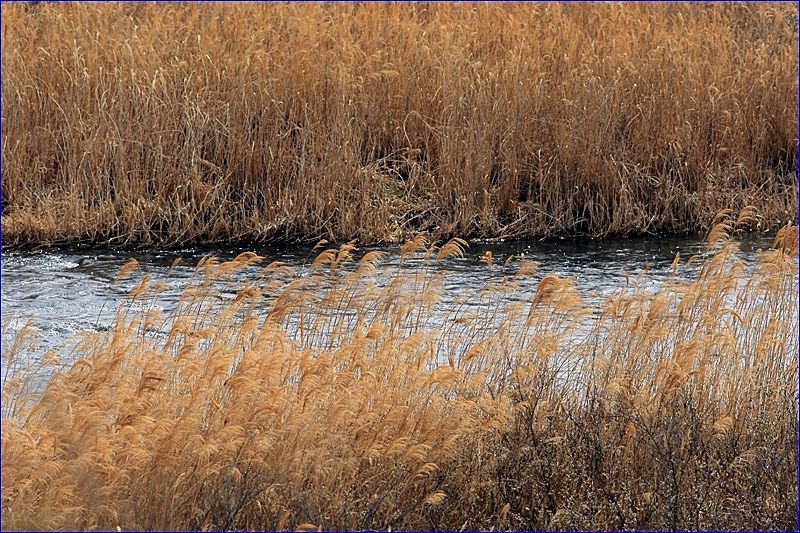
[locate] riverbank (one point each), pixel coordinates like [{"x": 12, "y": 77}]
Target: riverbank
[
  {"x": 332, "y": 399},
  {"x": 143, "y": 124}
]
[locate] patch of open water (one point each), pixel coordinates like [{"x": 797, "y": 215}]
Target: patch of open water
[{"x": 66, "y": 292}]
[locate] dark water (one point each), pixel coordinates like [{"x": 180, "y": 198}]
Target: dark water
[{"x": 65, "y": 293}]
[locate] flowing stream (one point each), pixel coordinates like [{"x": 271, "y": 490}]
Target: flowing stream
[{"x": 66, "y": 292}]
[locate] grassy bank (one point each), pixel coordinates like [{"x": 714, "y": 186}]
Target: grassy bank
[
  {"x": 351, "y": 398},
  {"x": 134, "y": 124}
]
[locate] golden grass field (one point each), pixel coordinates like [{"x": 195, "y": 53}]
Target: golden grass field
[
  {"x": 354, "y": 396},
  {"x": 348, "y": 396},
  {"x": 137, "y": 124}
]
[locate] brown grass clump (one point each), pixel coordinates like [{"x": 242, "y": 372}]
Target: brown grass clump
[
  {"x": 349, "y": 397},
  {"x": 132, "y": 124}
]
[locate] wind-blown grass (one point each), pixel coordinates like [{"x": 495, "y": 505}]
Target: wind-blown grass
[
  {"x": 349, "y": 397},
  {"x": 134, "y": 124}
]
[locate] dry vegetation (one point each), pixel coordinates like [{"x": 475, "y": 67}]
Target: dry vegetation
[
  {"x": 349, "y": 397},
  {"x": 132, "y": 124}
]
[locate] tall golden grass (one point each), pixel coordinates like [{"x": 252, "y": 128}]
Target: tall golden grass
[
  {"x": 349, "y": 396},
  {"x": 132, "y": 124}
]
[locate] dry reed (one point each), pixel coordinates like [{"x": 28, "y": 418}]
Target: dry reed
[
  {"x": 347, "y": 396},
  {"x": 134, "y": 124}
]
